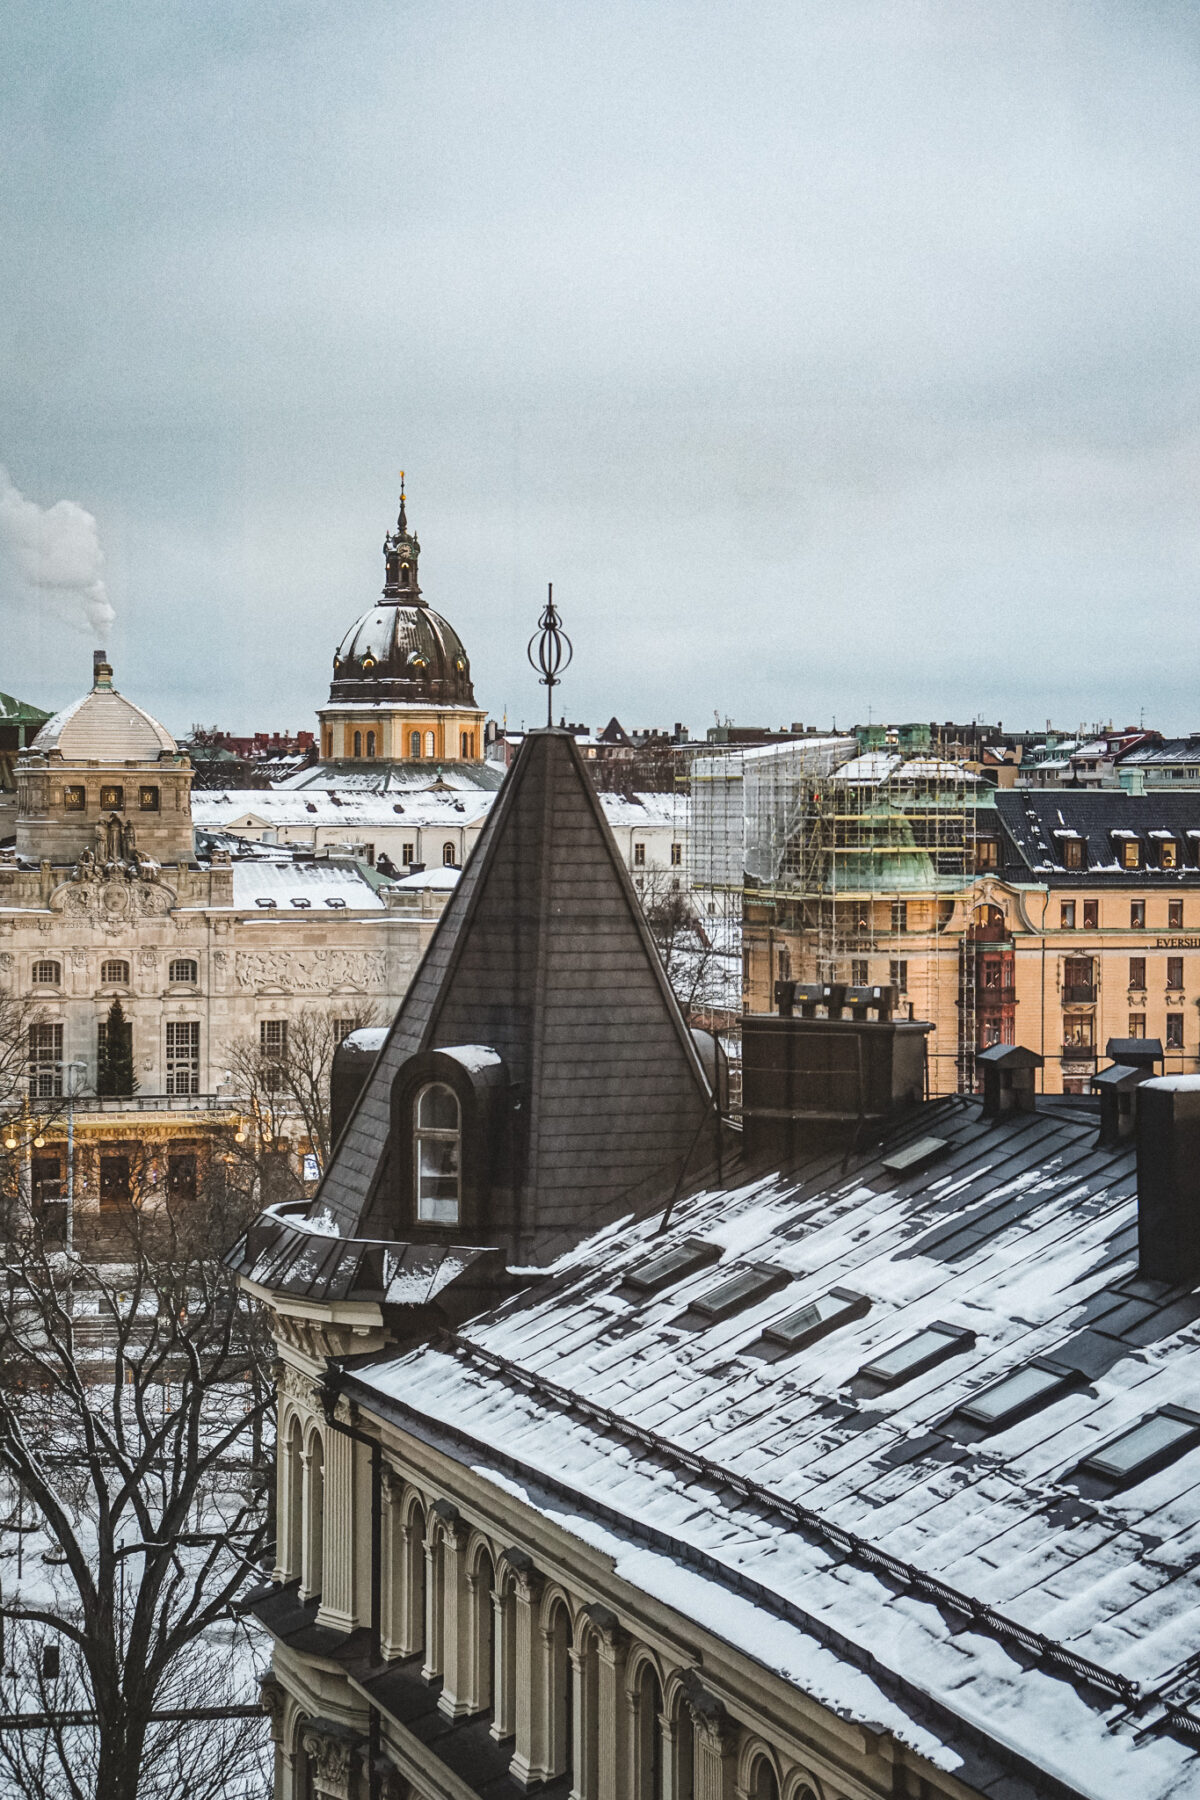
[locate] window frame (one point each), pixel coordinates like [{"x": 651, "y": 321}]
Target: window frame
[
  {"x": 112, "y": 797},
  {"x": 1175, "y": 915},
  {"x": 674, "y": 1263},
  {"x": 1174, "y": 1039},
  {"x": 1062, "y": 1380},
  {"x": 149, "y": 798},
  {"x": 183, "y": 962},
  {"x": 75, "y": 797},
  {"x": 1175, "y": 974},
  {"x": 41, "y": 980},
  {"x": 1095, "y": 1463},
  {"x": 1137, "y": 915},
  {"x": 953, "y": 1338},
  {"x": 434, "y": 1134},
  {"x": 182, "y": 1065},
  {"x": 1137, "y": 974},
  {"x": 806, "y": 1331},
  {"x": 730, "y": 1293},
  {"x": 107, "y": 976}
]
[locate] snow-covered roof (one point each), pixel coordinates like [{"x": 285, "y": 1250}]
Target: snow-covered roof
[
  {"x": 226, "y": 809},
  {"x": 785, "y": 1497},
  {"x": 438, "y": 877},
  {"x": 303, "y": 887},
  {"x": 104, "y": 726}
]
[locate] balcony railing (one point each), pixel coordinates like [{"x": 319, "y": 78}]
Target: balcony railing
[
  {"x": 1077, "y": 991},
  {"x": 142, "y": 1103},
  {"x": 1079, "y": 1052}
]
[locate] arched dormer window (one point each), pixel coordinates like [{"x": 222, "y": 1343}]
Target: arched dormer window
[
  {"x": 358, "y": 743},
  {"x": 437, "y": 1153},
  {"x": 414, "y": 744},
  {"x": 448, "y": 854},
  {"x": 370, "y": 743}
]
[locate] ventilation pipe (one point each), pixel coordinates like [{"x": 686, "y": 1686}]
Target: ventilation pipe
[{"x": 1008, "y": 1072}]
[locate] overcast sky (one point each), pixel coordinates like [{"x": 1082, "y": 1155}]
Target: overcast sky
[{"x": 830, "y": 358}]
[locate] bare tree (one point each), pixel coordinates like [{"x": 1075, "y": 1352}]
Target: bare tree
[
  {"x": 704, "y": 971},
  {"x": 287, "y": 1080},
  {"x": 135, "y": 1440}
]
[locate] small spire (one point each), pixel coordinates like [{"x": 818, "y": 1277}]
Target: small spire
[
  {"x": 402, "y": 521},
  {"x": 554, "y": 652}
]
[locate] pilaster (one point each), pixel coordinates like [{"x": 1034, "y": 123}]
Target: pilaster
[
  {"x": 529, "y": 1721},
  {"x": 716, "y": 1740},
  {"x": 457, "y": 1624},
  {"x": 338, "y": 1534},
  {"x": 612, "y": 1704}
]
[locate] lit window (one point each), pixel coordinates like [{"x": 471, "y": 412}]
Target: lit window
[
  {"x": 987, "y": 854},
  {"x": 47, "y": 972},
  {"x": 1168, "y": 854},
  {"x": 183, "y": 969},
  {"x": 1137, "y": 1025},
  {"x": 666, "y": 1266},
  {"x": 1145, "y": 1447},
  {"x": 1072, "y": 853},
  {"x": 1130, "y": 853},
  {"x": 1017, "y": 1394},
  {"x": 808, "y": 1323},
  {"x": 916, "y": 1354},
  {"x": 437, "y": 1141},
  {"x": 736, "y": 1291},
  {"x": 114, "y": 973},
  {"x": 75, "y": 799},
  {"x": 148, "y": 799}
]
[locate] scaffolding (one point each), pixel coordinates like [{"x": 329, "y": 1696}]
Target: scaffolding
[{"x": 839, "y": 866}]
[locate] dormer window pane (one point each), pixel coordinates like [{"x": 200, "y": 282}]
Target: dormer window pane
[
  {"x": 437, "y": 1142},
  {"x": 916, "y": 1354},
  {"x": 1147, "y": 1443},
  {"x": 737, "y": 1291},
  {"x": 1024, "y": 1389},
  {"x": 667, "y": 1266},
  {"x": 806, "y": 1324}
]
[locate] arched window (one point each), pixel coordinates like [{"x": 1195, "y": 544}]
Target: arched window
[
  {"x": 358, "y": 743},
  {"x": 405, "y": 575},
  {"x": 50, "y": 972},
  {"x": 114, "y": 973},
  {"x": 183, "y": 969},
  {"x": 437, "y": 1145},
  {"x": 370, "y": 743},
  {"x": 763, "y": 1785},
  {"x": 560, "y": 1699},
  {"x": 430, "y": 744},
  {"x": 647, "y": 1738},
  {"x": 414, "y": 743},
  {"x": 448, "y": 856},
  {"x": 312, "y": 1562}
]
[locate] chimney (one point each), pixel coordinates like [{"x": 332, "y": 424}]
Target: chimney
[
  {"x": 101, "y": 669},
  {"x": 1008, "y": 1079},
  {"x": 1134, "y": 1062},
  {"x": 1168, "y": 1179},
  {"x": 810, "y": 1081}
]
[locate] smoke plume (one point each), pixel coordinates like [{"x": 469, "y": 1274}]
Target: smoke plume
[{"x": 57, "y": 551}]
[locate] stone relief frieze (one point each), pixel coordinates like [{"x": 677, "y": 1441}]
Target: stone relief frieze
[
  {"x": 316, "y": 972},
  {"x": 111, "y": 898}
]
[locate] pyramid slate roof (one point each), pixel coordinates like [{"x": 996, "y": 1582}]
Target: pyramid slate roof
[{"x": 543, "y": 955}]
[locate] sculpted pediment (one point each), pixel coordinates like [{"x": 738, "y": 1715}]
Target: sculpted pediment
[{"x": 114, "y": 896}]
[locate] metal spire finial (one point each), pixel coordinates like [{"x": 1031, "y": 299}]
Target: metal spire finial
[
  {"x": 402, "y": 521},
  {"x": 554, "y": 651}
]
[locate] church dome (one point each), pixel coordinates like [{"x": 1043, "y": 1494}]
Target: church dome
[
  {"x": 104, "y": 727},
  {"x": 401, "y": 650}
]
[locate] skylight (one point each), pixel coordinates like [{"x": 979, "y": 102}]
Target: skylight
[
  {"x": 1145, "y": 1447},
  {"x": 672, "y": 1264},
  {"x": 916, "y": 1354},
  {"x": 301, "y": 900},
  {"x": 736, "y": 1291},
  {"x": 334, "y": 900},
  {"x": 264, "y": 900},
  {"x": 1014, "y": 1395},
  {"x": 912, "y": 1156},
  {"x": 805, "y": 1324}
]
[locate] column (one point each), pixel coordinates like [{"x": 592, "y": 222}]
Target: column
[
  {"x": 503, "y": 1664},
  {"x": 529, "y": 1721},
  {"x": 612, "y": 1705},
  {"x": 455, "y": 1697},
  {"x": 338, "y": 1533},
  {"x": 715, "y": 1745},
  {"x": 310, "y": 1579},
  {"x": 394, "y": 1574}
]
